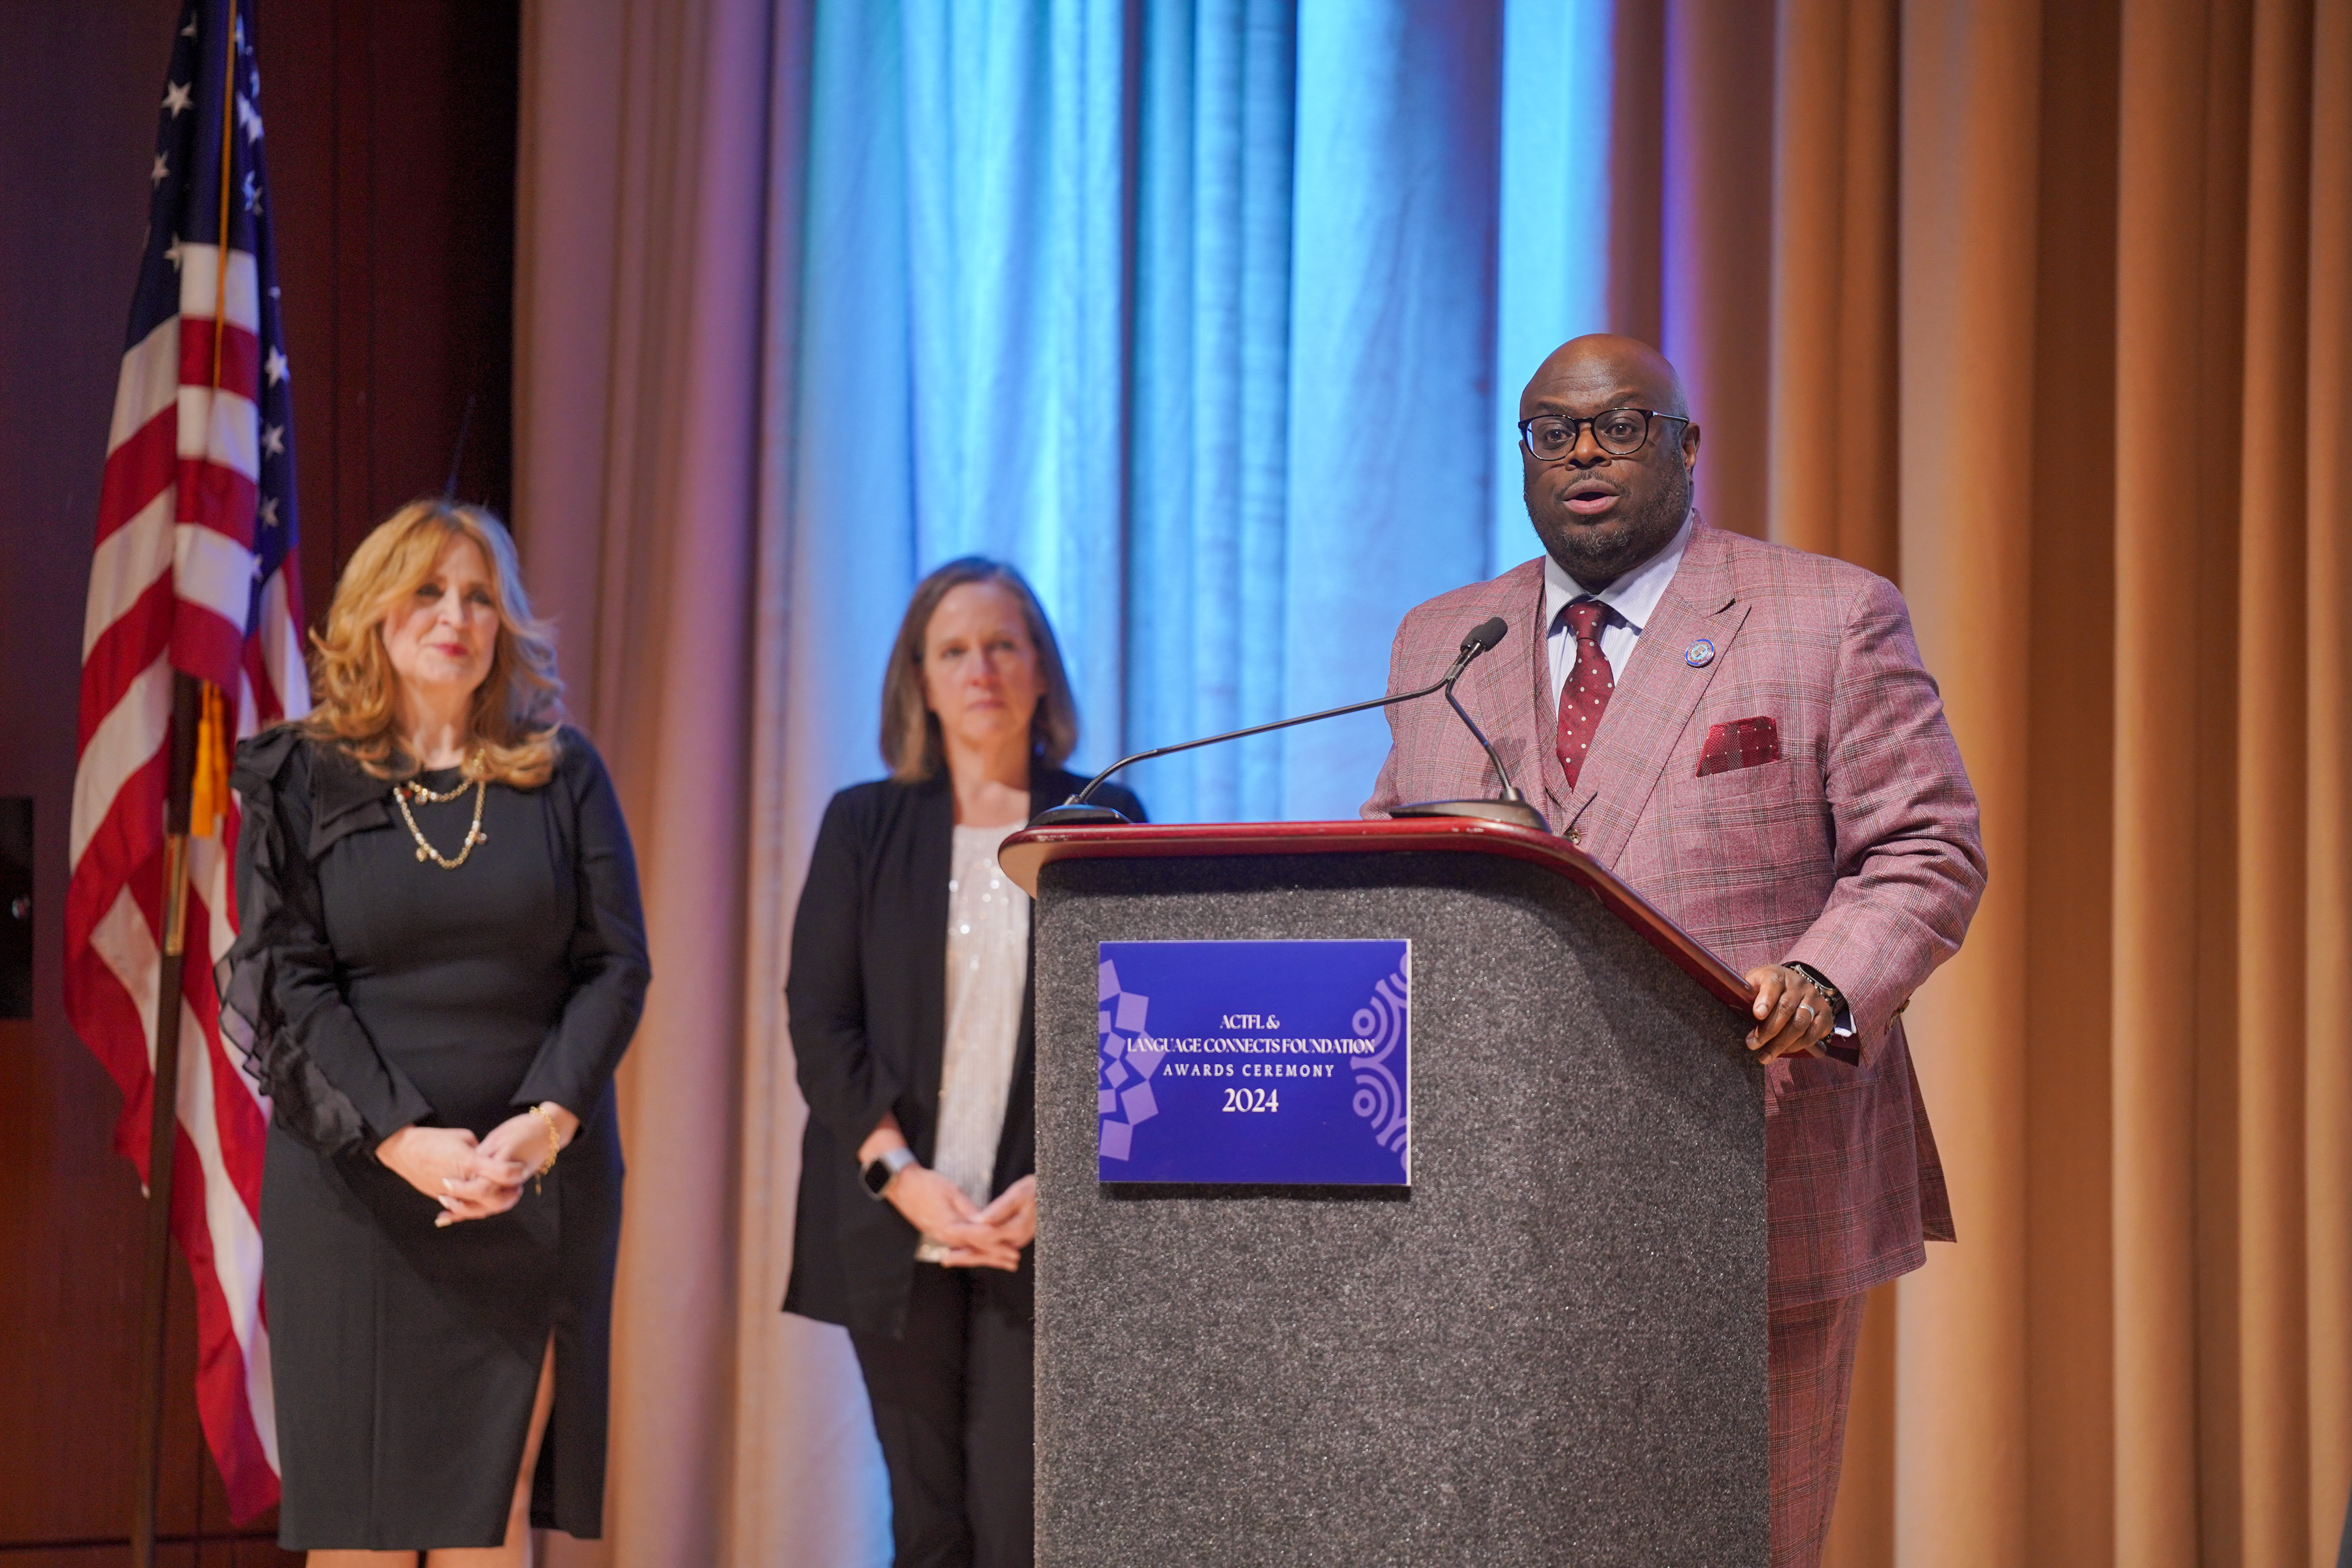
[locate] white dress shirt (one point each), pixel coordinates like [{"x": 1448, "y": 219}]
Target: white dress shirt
[
  {"x": 1633, "y": 599},
  {"x": 988, "y": 970}
]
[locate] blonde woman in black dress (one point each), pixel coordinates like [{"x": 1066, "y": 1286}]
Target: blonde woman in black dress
[{"x": 441, "y": 960}]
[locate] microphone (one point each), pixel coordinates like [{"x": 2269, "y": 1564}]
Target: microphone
[
  {"x": 1480, "y": 639},
  {"x": 1508, "y": 807},
  {"x": 1511, "y": 807}
]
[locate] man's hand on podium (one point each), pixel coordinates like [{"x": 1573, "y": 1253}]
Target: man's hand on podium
[{"x": 1794, "y": 1014}]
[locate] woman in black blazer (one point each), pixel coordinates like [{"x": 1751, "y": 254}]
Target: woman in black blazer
[{"x": 912, "y": 1028}]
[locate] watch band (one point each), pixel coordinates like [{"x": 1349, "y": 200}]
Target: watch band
[
  {"x": 879, "y": 1172},
  {"x": 1839, "y": 1010}
]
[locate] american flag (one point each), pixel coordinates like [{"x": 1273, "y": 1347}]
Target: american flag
[{"x": 195, "y": 571}]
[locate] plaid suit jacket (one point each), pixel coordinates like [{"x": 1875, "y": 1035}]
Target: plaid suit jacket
[{"x": 1856, "y": 851}]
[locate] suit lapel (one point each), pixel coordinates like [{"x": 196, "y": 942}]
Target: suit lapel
[
  {"x": 1654, "y": 703},
  {"x": 1493, "y": 689},
  {"x": 930, "y": 806},
  {"x": 1016, "y": 1142}
]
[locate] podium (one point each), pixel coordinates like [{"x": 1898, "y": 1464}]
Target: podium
[{"x": 1548, "y": 1346}]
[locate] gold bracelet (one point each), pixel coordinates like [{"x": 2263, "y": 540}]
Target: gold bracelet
[{"x": 554, "y": 1144}]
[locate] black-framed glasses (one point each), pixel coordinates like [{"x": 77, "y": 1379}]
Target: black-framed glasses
[{"x": 1620, "y": 432}]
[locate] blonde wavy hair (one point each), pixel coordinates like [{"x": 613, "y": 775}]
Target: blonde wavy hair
[{"x": 354, "y": 691}]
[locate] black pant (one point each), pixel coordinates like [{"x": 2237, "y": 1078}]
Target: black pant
[{"x": 953, "y": 1405}]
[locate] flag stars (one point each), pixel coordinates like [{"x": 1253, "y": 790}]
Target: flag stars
[
  {"x": 190, "y": 31},
  {"x": 266, "y": 514},
  {"x": 275, "y": 366},
  {"x": 252, "y": 196},
  {"x": 176, "y": 97},
  {"x": 175, "y": 252},
  {"x": 248, "y": 118},
  {"x": 273, "y": 440}
]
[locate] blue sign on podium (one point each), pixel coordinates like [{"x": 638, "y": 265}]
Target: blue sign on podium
[{"x": 1260, "y": 1062}]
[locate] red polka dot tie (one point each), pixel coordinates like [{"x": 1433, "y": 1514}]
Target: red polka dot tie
[{"x": 1585, "y": 696}]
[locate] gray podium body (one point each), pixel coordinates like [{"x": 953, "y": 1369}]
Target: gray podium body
[{"x": 1549, "y": 1349}]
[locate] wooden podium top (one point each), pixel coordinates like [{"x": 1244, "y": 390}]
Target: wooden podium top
[{"x": 1031, "y": 850}]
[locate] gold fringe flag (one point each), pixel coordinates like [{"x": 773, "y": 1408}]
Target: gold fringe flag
[{"x": 208, "y": 801}]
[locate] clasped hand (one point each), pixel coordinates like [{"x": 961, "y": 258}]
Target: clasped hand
[
  {"x": 1793, "y": 1016},
  {"x": 470, "y": 1178},
  {"x": 975, "y": 1237}
]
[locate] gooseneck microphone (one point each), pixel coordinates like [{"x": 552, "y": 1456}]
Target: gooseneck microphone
[
  {"x": 1511, "y": 807},
  {"x": 1481, "y": 638},
  {"x": 1478, "y": 640}
]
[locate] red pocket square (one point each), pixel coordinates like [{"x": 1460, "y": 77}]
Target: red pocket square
[{"x": 1742, "y": 743}]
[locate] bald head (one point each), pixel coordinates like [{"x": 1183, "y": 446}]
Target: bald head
[
  {"x": 1603, "y": 512},
  {"x": 1607, "y": 363}
]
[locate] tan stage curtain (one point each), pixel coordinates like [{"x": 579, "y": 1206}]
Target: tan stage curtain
[
  {"x": 2056, "y": 336},
  {"x": 642, "y": 279},
  {"x": 657, "y": 276}
]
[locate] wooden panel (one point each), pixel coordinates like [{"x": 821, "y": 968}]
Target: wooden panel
[
  {"x": 76, "y": 139},
  {"x": 393, "y": 168},
  {"x": 1029, "y": 850},
  {"x": 397, "y": 293}
]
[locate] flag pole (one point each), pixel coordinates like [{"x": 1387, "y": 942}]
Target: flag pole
[
  {"x": 163, "y": 1123},
  {"x": 163, "y": 1127}
]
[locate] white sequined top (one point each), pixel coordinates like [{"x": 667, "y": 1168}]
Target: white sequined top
[{"x": 988, "y": 970}]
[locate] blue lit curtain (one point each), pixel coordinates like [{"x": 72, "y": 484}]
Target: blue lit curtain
[
  {"x": 1209, "y": 316},
  {"x": 1552, "y": 264}
]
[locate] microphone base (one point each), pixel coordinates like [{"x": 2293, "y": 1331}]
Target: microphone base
[
  {"x": 1517, "y": 813},
  {"x": 1068, "y": 816}
]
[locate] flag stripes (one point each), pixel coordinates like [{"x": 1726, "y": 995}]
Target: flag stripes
[{"x": 194, "y": 571}]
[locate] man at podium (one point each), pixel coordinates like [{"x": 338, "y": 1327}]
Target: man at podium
[{"x": 1744, "y": 733}]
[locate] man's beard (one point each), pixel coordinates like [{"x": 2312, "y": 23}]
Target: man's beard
[{"x": 1595, "y": 560}]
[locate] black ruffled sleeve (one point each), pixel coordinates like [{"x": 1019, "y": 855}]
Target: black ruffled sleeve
[
  {"x": 281, "y": 1002},
  {"x": 610, "y": 970}
]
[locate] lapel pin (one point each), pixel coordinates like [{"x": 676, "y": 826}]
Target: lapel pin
[{"x": 1699, "y": 654}]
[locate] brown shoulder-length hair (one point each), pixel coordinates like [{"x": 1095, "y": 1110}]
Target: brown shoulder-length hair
[
  {"x": 519, "y": 704},
  {"x": 911, "y": 731}
]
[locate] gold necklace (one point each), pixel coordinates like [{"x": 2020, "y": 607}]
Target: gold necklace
[
  {"x": 474, "y": 835},
  {"x": 417, "y": 791}
]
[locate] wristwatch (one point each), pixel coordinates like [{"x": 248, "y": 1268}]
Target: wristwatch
[{"x": 879, "y": 1172}]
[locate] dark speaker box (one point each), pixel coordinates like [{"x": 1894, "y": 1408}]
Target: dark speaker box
[{"x": 15, "y": 907}]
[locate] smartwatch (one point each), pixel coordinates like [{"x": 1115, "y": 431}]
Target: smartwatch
[{"x": 879, "y": 1172}]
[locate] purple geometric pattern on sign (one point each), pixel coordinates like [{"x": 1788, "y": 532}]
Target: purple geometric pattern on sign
[
  {"x": 1124, "y": 1095},
  {"x": 1380, "y": 1098}
]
